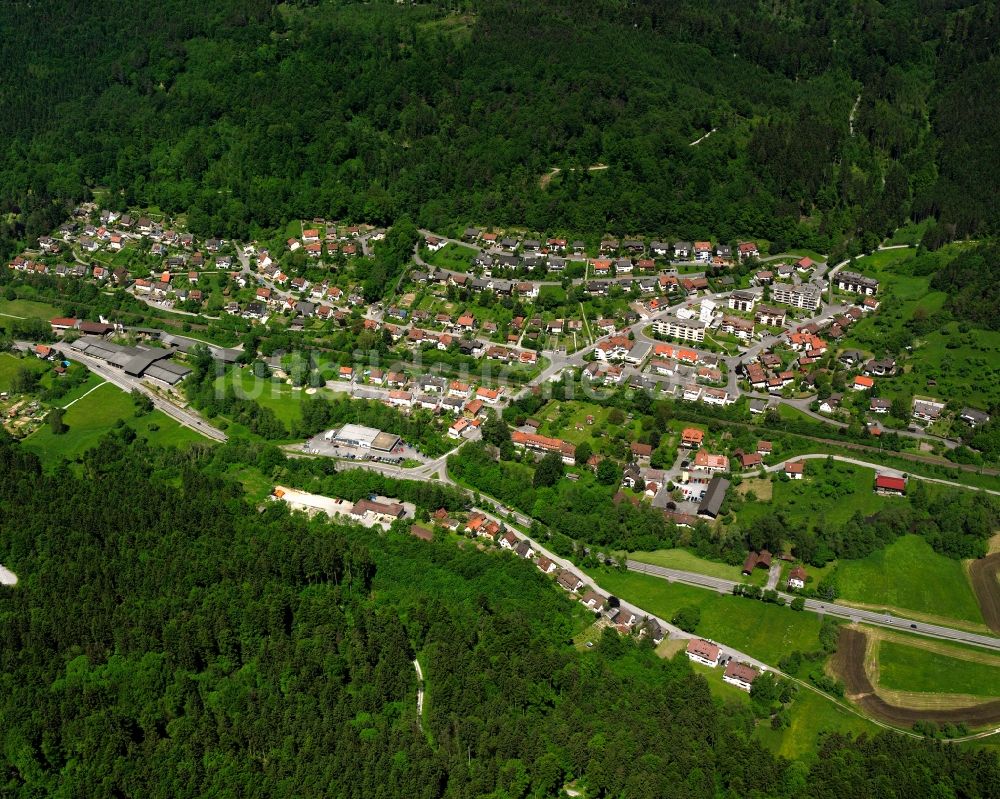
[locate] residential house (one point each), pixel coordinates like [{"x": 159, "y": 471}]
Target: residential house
[
  {"x": 740, "y": 674},
  {"x": 692, "y": 437},
  {"x": 794, "y": 470},
  {"x": 797, "y": 578},
  {"x": 855, "y": 283},
  {"x": 707, "y": 462},
  {"x": 704, "y": 652},
  {"x": 593, "y": 600},
  {"x": 569, "y": 580},
  {"x": 927, "y": 410}
]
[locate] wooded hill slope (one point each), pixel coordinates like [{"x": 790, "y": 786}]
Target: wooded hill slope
[
  {"x": 246, "y": 113},
  {"x": 169, "y": 639}
]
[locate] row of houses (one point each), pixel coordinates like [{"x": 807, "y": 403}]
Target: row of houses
[
  {"x": 707, "y": 653},
  {"x": 702, "y": 251}
]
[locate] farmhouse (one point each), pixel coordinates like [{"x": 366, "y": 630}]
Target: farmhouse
[
  {"x": 797, "y": 578},
  {"x": 756, "y": 560}
]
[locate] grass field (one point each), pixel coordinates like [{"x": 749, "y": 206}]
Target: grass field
[
  {"x": 94, "y": 415},
  {"x": 765, "y": 632},
  {"x": 561, "y": 420},
  {"x": 28, "y": 309},
  {"x": 688, "y": 561},
  {"x": 10, "y": 365},
  {"x": 455, "y": 257},
  {"x": 910, "y": 576},
  {"x": 811, "y": 714},
  {"x": 906, "y": 668},
  {"x": 832, "y": 496},
  {"x": 279, "y": 397}
]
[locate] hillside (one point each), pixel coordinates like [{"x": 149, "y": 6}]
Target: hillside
[
  {"x": 245, "y": 114},
  {"x": 189, "y": 644}
]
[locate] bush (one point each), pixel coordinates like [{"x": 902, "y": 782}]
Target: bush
[{"x": 687, "y": 618}]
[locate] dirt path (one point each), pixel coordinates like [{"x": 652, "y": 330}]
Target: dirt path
[
  {"x": 854, "y": 112},
  {"x": 985, "y": 577},
  {"x": 699, "y": 141},
  {"x": 849, "y": 666},
  {"x": 546, "y": 179},
  {"x": 420, "y": 693}
]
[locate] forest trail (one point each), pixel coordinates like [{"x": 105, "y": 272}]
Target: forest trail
[
  {"x": 546, "y": 179},
  {"x": 699, "y": 141},
  {"x": 420, "y": 693},
  {"x": 854, "y": 112}
]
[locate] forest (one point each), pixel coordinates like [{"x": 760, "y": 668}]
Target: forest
[
  {"x": 170, "y": 639},
  {"x": 242, "y": 115}
]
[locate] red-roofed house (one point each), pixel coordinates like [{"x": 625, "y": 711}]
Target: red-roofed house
[
  {"x": 703, "y": 652},
  {"x": 740, "y": 674}
]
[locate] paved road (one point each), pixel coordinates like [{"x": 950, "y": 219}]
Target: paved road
[
  {"x": 824, "y": 608},
  {"x": 700, "y": 580}
]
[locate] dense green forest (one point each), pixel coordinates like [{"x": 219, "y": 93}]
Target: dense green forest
[
  {"x": 169, "y": 639},
  {"x": 247, "y": 113}
]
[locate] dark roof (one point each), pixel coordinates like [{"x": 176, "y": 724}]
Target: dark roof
[{"x": 714, "y": 496}]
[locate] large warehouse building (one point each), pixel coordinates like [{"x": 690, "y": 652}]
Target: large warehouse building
[
  {"x": 151, "y": 362},
  {"x": 356, "y": 435}
]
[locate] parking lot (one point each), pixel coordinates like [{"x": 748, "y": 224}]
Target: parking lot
[{"x": 318, "y": 445}]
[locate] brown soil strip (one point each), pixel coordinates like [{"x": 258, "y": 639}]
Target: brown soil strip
[
  {"x": 983, "y": 575},
  {"x": 849, "y": 664}
]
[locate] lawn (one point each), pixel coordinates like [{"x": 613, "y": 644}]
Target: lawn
[
  {"x": 688, "y": 561},
  {"x": 825, "y": 496},
  {"x": 911, "y": 578},
  {"x": 952, "y": 361},
  {"x": 10, "y": 365},
  {"x": 811, "y": 714},
  {"x": 94, "y": 415},
  {"x": 568, "y": 421},
  {"x": 455, "y": 257},
  {"x": 28, "y": 309},
  {"x": 907, "y": 668},
  {"x": 766, "y": 632},
  {"x": 278, "y": 396}
]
